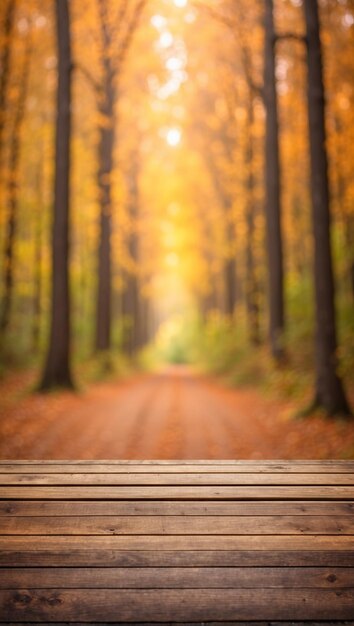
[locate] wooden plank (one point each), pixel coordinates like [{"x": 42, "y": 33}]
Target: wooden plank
[
  {"x": 45, "y": 492},
  {"x": 175, "y": 605},
  {"x": 183, "y": 508},
  {"x": 174, "y": 467},
  {"x": 141, "y": 546},
  {"x": 103, "y": 557},
  {"x": 197, "y": 623},
  {"x": 241, "y": 462},
  {"x": 177, "y": 578},
  {"x": 180, "y": 479},
  {"x": 179, "y": 542},
  {"x": 178, "y": 525},
  {"x": 180, "y": 462},
  {"x": 219, "y": 623}
]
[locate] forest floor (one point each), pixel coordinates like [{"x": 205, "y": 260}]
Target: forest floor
[{"x": 175, "y": 414}]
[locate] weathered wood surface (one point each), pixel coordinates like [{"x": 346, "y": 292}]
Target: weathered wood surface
[
  {"x": 174, "y": 467},
  {"x": 177, "y": 542},
  {"x": 161, "y": 492},
  {"x": 174, "y": 479},
  {"x": 178, "y": 525},
  {"x": 237, "y": 464}
]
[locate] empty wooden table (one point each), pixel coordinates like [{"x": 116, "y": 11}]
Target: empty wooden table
[{"x": 177, "y": 542}]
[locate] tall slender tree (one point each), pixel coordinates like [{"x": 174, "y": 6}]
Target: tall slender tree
[
  {"x": 272, "y": 191},
  {"x": 131, "y": 297},
  {"x": 117, "y": 25},
  {"x": 106, "y": 105},
  {"x": 12, "y": 188},
  {"x": 233, "y": 19},
  {"x": 252, "y": 286},
  {"x": 57, "y": 367},
  {"x": 329, "y": 392},
  {"x": 5, "y": 59},
  {"x": 5, "y": 67},
  {"x": 229, "y": 263},
  {"x": 37, "y": 261}
]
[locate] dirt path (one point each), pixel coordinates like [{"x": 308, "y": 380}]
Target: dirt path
[{"x": 172, "y": 415}]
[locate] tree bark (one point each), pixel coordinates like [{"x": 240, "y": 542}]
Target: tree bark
[
  {"x": 229, "y": 269},
  {"x": 230, "y": 296},
  {"x": 347, "y": 218},
  {"x": 38, "y": 255},
  {"x": 130, "y": 310},
  {"x": 230, "y": 261},
  {"x": 272, "y": 192},
  {"x": 116, "y": 38},
  {"x": 349, "y": 240},
  {"x": 132, "y": 297},
  {"x": 329, "y": 392},
  {"x": 252, "y": 290},
  {"x": 5, "y": 65},
  {"x": 57, "y": 368},
  {"x": 144, "y": 317},
  {"x": 37, "y": 295},
  {"x": 12, "y": 191},
  {"x": 105, "y": 160}
]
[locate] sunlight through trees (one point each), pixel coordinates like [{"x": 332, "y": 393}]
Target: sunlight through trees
[{"x": 208, "y": 187}]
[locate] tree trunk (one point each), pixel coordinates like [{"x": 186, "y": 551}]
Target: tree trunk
[
  {"x": 116, "y": 38},
  {"x": 104, "y": 296},
  {"x": 12, "y": 192},
  {"x": 130, "y": 310},
  {"x": 229, "y": 269},
  {"x": 252, "y": 295},
  {"x": 145, "y": 330},
  {"x": 37, "y": 291},
  {"x": 208, "y": 302},
  {"x": 37, "y": 296},
  {"x": 272, "y": 191},
  {"x": 349, "y": 240},
  {"x": 105, "y": 160},
  {"x": 5, "y": 65},
  {"x": 329, "y": 392},
  {"x": 57, "y": 368},
  {"x": 132, "y": 297},
  {"x": 230, "y": 262},
  {"x": 347, "y": 219}
]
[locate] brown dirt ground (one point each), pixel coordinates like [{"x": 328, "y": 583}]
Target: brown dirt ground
[{"x": 171, "y": 415}]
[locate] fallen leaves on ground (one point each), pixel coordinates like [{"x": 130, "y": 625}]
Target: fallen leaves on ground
[{"x": 170, "y": 415}]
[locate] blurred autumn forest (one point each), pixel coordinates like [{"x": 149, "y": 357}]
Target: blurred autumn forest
[{"x": 177, "y": 185}]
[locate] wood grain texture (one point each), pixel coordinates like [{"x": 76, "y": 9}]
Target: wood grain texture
[
  {"x": 177, "y": 467},
  {"x": 166, "y": 542},
  {"x": 148, "y": 492},
  {"x": 113, "y": 557},
  {"x": 182, "y": 462},
  {"x": 166, "y": 507},
  {"x": 183, "y": 604},
  {"x": 178, "y": 525},
  {"x": 177, "y": 479},
  {"x": 179, "y": 542},
  {"x": 197, "y": 623},
  {"x": 177, "y": 578}
]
